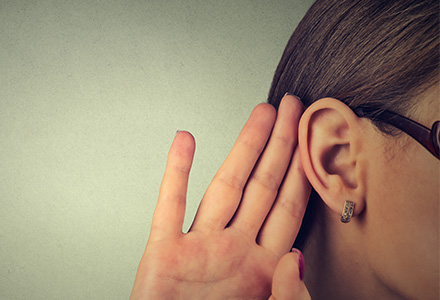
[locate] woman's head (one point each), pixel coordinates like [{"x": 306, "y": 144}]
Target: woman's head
[{"x": 374, "y": 55}]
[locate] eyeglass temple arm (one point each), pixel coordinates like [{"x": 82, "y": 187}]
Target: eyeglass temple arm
[{"x": 417, "y": 131}]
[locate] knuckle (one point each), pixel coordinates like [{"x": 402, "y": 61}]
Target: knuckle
[
  {"x": 251, "y": 145},
  {"x": 292, "y": 208},
  {"x": 247, "y": 228},
  {"x": 179, "y": 199},
  {"x": 267, "y": 180},
  {"x": 230, "y": 180},
  {"x": 214, "y": 224},
  {"x": 284, "y": 140},
  {"x": 180, "y": 170}
]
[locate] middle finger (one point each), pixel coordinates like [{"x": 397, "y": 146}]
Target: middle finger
[{"x": 264, "y": 182}]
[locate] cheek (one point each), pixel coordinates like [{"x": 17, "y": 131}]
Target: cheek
[{"x": 403, "y": 214}]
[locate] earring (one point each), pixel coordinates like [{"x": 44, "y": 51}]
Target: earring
[{"x": 347, "y": 212}]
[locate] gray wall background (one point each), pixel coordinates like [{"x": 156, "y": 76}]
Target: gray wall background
[{"x": 91, "y": 95}]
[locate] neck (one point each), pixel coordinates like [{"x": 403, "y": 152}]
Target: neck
[{"x": 337, "y": 266}]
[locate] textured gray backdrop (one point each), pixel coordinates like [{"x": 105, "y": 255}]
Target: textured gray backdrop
[{"x": 91, "y": 95}]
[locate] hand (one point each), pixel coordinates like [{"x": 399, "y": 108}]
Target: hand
[{"x": 248, "y": 218}]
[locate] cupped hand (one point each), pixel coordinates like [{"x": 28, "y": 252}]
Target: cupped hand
[{"x": 247, "y": 220}]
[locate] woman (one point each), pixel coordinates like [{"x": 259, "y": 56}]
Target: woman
[{"x": 358, "y": 66}]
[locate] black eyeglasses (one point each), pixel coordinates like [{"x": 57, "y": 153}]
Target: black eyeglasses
[{"x": 428, "y": 138}]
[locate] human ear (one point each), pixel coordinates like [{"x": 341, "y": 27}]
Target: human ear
[{"x": 330, "y": 141}]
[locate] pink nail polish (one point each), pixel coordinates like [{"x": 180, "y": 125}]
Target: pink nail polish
[{"x": 301, "y": 263}]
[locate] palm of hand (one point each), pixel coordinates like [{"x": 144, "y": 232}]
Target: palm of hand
[
  {"x": 247, "y": 220},
  {"x": 223, "y": 265}
]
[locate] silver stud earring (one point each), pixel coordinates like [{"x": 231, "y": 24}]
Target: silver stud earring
[{"x": 347, "y": 212}]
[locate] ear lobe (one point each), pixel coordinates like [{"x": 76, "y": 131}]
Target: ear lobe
[{"x": 330, "y": 141}]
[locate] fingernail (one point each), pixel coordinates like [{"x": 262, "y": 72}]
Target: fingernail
[
  {"x": 292, "y": 94},
  {"x": 301, "y": 263}
]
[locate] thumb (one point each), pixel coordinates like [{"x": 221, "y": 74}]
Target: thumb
[{"x": 287, "y": 283}]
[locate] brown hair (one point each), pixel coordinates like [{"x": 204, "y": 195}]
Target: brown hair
[{"x": 371, "y": 54}]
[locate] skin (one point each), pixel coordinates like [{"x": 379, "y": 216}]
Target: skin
[
  {"x": 243, "y": 227},
  {"x": 238, "y": 245},
  {"x": 411, "y": 217},
  {"x": 392, "y": 243}
]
